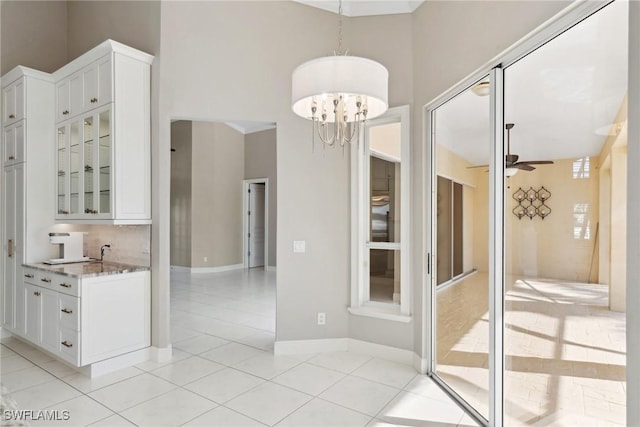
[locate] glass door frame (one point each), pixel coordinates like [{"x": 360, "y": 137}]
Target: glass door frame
[{"x": 566, "y": 19}]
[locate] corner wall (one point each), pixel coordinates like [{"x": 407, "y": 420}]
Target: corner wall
[{"x": 181, "y": 212}]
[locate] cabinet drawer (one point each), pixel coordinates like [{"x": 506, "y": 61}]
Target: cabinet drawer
[
  {"x": 67, "y": 285},
  {"x": 70, "y": 345},
  {"x": 69, "y": 312},
  {"x": 30, "y": 276},
  {"x": 44, "y": 279}
]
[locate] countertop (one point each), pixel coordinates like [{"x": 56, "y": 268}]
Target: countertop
[{"x": 88, "y": 268}]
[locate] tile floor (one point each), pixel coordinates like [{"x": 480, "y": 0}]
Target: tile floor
[
  {"x": 224, "y": 373},
  {"x": 566, "y": 352}
]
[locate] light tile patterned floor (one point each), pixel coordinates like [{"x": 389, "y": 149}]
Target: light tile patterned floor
[
  {"x": 224, "y": 373},
  {"x": 566, "y": 351}
]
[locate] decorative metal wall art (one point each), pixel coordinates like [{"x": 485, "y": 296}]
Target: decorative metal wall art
[{"x": 531, "y": 203}]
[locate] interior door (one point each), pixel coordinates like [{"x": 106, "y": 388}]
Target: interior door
[{"x": 256, "y": 225}]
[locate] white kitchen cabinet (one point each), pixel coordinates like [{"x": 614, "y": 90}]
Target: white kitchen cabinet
[
  {"x": 13, "y": 148},
  {"x": 104, "y": 150},
  {"x": 13, "y": 96},
  {"x": 69, "y": 97},
  {"x": 27, "y": 188},
  {"x": 41, "y": 317},
  {"x": 85, "y": 320},
  {"x": 84, "y": 155}
]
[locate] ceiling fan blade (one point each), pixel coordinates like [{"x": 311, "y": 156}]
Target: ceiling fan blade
[
  {"x": 479, "y": 166},
  {"x": 537, "y": 162},
  {"x": 523, "y": 165}
]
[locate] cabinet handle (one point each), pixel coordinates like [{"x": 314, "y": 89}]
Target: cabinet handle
[
  {"x": 10, "y": 248},
  {"x": 12, "y": 116},
  {"x": 65, "y": 112},
  {"x": 45, "y": 280},
  {"x": 36, "y": 293},
  {"x": 93, "y": 100},
  {"x": 66, "y": 310},
  {"x": 29, "y": 276},
  {"x": 66, "y": 344},
  {"x": 65, "y": 285},
  {"x": 63, "y": 212},
  {"x": 12, "y": 157}
]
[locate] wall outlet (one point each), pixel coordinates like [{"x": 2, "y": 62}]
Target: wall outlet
[
  {"x": 322, "y": 318},
  {"x": 205, "y": 259},
  {"x": 299, "y": 246}
]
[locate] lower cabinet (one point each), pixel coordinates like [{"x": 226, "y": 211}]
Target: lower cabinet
[{"x": 85, "y": 320}]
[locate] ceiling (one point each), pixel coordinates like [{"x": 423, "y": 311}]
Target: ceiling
[
  {"x": 562, "y": 97},
  {"x": 365, "y": 8},
  {"x": 245, "y": 127}
]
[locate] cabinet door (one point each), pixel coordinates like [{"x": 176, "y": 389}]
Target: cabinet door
[
  {"x": 76, "y": 95},
  {"x": 75, "y": 167},
  {"x": 62, "y": 100},
  {"x": 97, "y": 83},
  {"x": 49, "y": 320},
  {"x": 13, "y": 102},
  {"x": 21, "y": 308},
  {"x": 104, "y": 161},
  {"x": 62, "y": 183},
  {"x": 13, "y": 145},
  {"x": 33, "y": 312},
  {"x": 9, "y": 246},
  {"x": 90, "y": 170}
]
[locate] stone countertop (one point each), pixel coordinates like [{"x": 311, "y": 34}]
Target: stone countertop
[{"x": 88, "y": 268}]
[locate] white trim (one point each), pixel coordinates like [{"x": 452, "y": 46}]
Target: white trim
[
  {"x": 420, "y": 364},
  {"x": 180, "y": 268},
  {"x": 380, "y": 313},
  {"x": 360, "y": 239},
  {"x": 245, "y": 219},
  {"x": 113, "y": 364},
  {"x": 270, "y": 268},
  {"x": 161, "y": 354},
  {"x": 394, "y": 354}
]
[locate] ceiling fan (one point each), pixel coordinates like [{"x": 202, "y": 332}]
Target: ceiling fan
[{"x": 511, "y": 160}]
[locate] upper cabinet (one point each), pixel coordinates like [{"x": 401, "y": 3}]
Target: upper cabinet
[
  {"x": 85, "y": 90},
  {"x": 13, "y": 102},
  {"x": 103, "y": 148}
]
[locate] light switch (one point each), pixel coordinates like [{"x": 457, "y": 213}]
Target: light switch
[{"x": 299, "y": 246}]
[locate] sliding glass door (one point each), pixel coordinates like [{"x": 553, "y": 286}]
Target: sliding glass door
[
  {"x": 526, "y": 229},
  {"x": 460, "y": 209}
]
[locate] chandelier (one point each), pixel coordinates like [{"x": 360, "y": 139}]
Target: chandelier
[{"x": 338, "y": 93}]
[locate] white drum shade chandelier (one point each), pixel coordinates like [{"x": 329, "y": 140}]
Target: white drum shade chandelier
[{"x": 338, "y": 93}]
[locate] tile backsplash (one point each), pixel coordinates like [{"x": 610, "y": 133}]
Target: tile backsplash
[{"x": 130, "y": 244}]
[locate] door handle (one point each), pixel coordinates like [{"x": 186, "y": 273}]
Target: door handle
[
  {"x": 67, "y": 311},
  {"x": 12, "y": 116}
]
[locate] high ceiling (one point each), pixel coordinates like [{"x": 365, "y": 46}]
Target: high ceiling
[
  {"x": 365, "y": 8},
  {"x": 562, "y": 98}
]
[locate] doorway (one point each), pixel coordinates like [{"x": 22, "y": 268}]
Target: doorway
[{"x": 256, "y": 219}]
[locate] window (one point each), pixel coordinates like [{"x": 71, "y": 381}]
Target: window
[{"x": 380, "y": 218}]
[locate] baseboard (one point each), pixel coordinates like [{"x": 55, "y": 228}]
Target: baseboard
[
  {"x": 4, "y": 333},
  {"x": 420, "y": 364},
  {"x": 197, "y": 270},
  {"x": 311, "y": 346},
  {"x": 161, "y": 354},
  {"x": 393, "y": 354},
  {"x": 270, "y": 268},
  {"x": 113, "y": 364}
]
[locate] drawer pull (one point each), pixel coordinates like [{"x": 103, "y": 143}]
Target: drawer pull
[
  {"x": 66, "y": 310},
  {"x": 45, "y": 280},
  {"x": 65, "y": 112},
  {"x": 29, "y": 276},
  {"x": 36, "y": 293},
  {"x": 63, "y": 212},
  {"x": 65, "y": 285},
  {"x": 12, "y": 157},
  {"x": 12, "y": 116},
  {"x": 66, "y": 344},
  {"x": 94, "y": 100}
]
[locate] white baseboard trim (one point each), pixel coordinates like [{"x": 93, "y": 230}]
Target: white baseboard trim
[
  {"x": 4, "y": 333},
  {"x": 311, "y": 346},
  {"x": 398, "y": 355},
  {"x": 197, "y": 270},
  {"x": 116, "y": 363},
  {"x": 420, "y": 364},
  {"x": 161, "y": 354},
  {"x": 270, "y": 268}
]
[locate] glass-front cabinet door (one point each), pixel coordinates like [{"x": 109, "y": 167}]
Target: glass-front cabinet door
[{"x": 84, "y": 166}]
